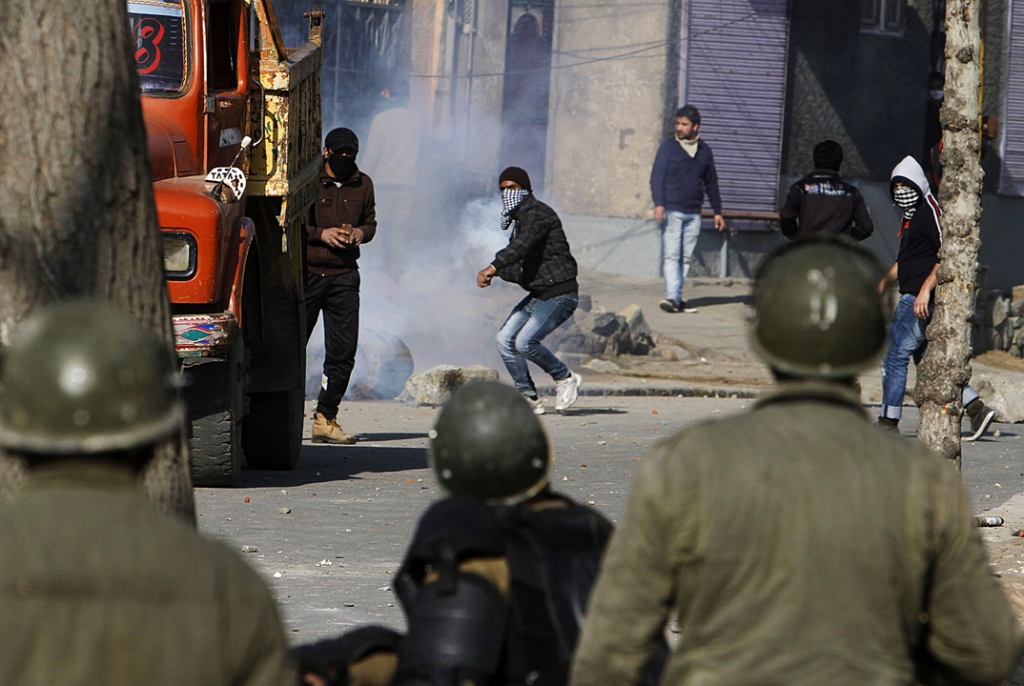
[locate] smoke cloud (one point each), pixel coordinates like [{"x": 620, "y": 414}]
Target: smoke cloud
[{"x": 419, "y": 285}]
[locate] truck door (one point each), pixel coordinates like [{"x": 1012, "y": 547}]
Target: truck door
[{"x": 227, "y": 80}]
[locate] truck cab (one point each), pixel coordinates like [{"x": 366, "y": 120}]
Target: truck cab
[{"x": 220, "y": 90}]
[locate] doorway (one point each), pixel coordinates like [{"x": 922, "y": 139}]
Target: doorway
[{"x": 527, "y": 88}]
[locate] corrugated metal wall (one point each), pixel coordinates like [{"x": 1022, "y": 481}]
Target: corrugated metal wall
[
  {"x": 1011, "y": 180},
  {"x": 735, "y": 66}
]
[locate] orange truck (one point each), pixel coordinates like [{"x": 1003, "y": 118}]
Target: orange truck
[{"x": 233, "y": 125}]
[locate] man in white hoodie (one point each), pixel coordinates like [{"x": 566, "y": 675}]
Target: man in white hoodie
[{"x": 915, "y": 267}]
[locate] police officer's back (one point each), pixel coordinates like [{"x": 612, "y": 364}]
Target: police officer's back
[
  {"x": 497, "y": 577},
  {"x": 823, "y": 203},
  {"x": 96, "y": 585},
  {"x": 796, "y": 543}
]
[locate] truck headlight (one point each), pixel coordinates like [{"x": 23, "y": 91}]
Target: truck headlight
[{"x": 179, "y": 255}]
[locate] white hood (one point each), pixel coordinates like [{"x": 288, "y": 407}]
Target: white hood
[{"x": 909, "y": 170}]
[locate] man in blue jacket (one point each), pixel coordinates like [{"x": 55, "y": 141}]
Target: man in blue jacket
[{"x": 684, "y": 170}]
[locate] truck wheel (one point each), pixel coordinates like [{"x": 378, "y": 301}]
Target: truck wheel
[
  {"x": 272, "y": 430},
  {"x": 215, "y": 406}
]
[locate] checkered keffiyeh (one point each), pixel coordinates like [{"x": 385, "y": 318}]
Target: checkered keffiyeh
[
  {"x": 906, "y": 199},
  {"x": 510, "y": 199}
]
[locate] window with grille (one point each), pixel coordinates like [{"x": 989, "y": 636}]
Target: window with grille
[{"x": 883, "y": 16}]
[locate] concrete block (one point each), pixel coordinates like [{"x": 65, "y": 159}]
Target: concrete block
[
  {"x": 1003, "y": 393},
  {"x": 1017, "y": 293},
  {"x": 1000, "y": 311},
  {"x": 1017, "y": 308},
  {"x": 435, "y": 386}
]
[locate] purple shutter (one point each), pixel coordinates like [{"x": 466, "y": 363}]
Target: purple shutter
[
  {"x": 735, "y": 74},
  {"x": 1011, "y": 181}
]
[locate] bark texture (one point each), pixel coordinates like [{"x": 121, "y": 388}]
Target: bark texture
[
  {"x": 77, "y": 217},
  {"x": 946, "y": 368}
]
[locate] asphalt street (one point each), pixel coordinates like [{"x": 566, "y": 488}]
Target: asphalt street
[{"x": 330, "y": 535}]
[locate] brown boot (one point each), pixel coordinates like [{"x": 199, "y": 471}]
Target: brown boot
[{"x": 327, "y": 431}]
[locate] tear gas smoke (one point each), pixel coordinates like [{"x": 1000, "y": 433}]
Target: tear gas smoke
[{"x": 419, "y": 285}]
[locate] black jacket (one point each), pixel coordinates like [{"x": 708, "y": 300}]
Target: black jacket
[
  {"x": 822, "y": 203},
  {"x": 538, "y": 255}
]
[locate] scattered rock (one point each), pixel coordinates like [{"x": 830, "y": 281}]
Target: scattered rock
[
  {"x": 277, "y": 575},
  {"x": 285, "y": 510},
  {"x": 323, "y": 563},
  {"x": 641, "y": 341},
  {"x": 349, "y": 604},
  {"x": 586, "y": 303},
  {"x": 250, "y": 549},
  {"x": 1003, "y": 393},
  {"x": 606, "y": 333},
  {"x": 435, "y": 386},
  {"x": 602, "y": 366}
]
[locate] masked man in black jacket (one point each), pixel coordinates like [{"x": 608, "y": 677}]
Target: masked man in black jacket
[{"x": 539, "y": 260}]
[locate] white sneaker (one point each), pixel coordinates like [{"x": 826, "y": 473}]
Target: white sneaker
[
  {"x": 536, "y": 403},
  {"x": 567, "y": 391}
]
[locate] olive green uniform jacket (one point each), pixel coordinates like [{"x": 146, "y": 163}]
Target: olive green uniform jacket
[
  {"x": 798, "y": 545},
  {"x": 97, "y": 587}
]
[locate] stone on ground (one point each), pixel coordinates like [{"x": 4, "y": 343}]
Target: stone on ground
[
  {"x": 1003, "y": 393},
  {"x": 436, "y": 385}
]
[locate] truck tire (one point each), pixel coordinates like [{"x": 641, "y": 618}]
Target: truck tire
[
  {"x": 215, "y": 406},
  {"x": 272, "y": 430}
]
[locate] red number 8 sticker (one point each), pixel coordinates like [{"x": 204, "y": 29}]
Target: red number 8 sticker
[{"x": 148, "y": 34}]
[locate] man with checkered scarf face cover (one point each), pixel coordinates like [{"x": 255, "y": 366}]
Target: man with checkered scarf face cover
[
  {"x": 539, "y": 260},
  {"x": 510, "y": 199},
  {"x": 916, "y": 264}
]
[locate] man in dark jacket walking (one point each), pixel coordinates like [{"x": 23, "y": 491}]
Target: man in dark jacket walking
[
  {"x": 684, "y": 169},
  {"x": 539, "y": 260},
  {"x": 343, "y": 218},
  {"x": 822, "y": 203}
]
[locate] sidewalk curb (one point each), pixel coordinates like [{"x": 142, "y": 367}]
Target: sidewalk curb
[{"x": 656, "y": 390}]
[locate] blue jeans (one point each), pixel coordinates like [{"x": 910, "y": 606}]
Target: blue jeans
[
  {"x": 906, "y": 341},
  {"x": 678, "y": 240},
  {"x": 520, "y": 336}
]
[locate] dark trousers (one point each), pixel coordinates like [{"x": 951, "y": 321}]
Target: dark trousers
[{"x": 337, "y": 296}]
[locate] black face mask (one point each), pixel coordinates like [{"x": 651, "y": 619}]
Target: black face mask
[{"x": 343, "y": 166}]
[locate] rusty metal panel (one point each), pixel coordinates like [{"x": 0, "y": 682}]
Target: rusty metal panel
[
  {"x": 286, "y": 162},
  {"x": 1011, "y": 181},
  {"x": 735, "y": 57}
]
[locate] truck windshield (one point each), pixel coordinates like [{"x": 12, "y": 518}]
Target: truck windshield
[{"x": 161, "y": 55}]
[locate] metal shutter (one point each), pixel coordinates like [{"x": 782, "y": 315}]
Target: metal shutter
[
  {"x": 735, "y": 56},
  {"x": 1011, "y": 181}
]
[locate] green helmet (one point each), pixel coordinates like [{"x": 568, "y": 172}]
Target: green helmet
[
  {"x": 817, "y": 312},
  {"x": 81, "y": 377},
  {"x": 488, "y": 443}
]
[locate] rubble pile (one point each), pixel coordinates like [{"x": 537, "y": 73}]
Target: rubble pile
[
  {"x": 435, "y": 386},
  {"x": 605, "y": 333},
  {"x": 999, "y": 322}
]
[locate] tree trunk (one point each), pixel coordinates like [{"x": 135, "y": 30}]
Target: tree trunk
[
  {"x": 946, "y": 368},
  {"x": 77, "y": 217}
]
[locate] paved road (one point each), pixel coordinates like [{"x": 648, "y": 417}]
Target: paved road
[{"x": 356, "y": 506}]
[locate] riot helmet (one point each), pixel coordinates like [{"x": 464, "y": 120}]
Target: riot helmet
[
  {"x": 489, "y": 444},
  {"x": 80, "y": 377},
  {"x": 817, "y": 312}
]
